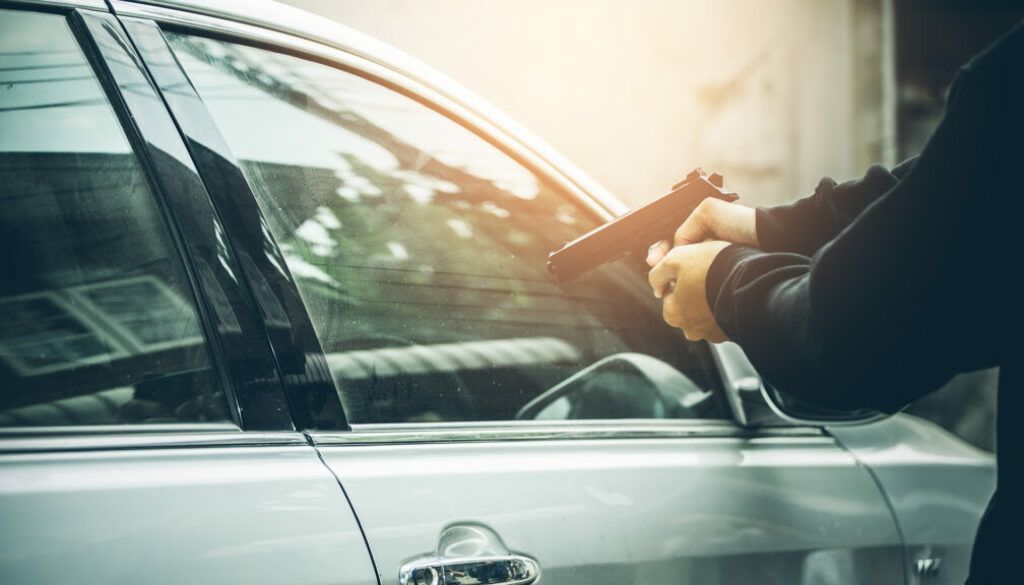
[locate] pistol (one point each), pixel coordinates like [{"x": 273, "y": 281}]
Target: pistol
[{"x": 637, "y": 230}]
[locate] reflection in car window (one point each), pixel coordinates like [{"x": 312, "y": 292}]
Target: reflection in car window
[
  {"x": 97, "y": 324},
  {"x": 419, "y": 250}
]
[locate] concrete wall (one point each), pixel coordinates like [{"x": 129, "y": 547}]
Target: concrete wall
[{"x": 637, "y": 93}]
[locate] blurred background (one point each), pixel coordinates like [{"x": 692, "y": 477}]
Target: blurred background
[{"x": 772, "y": 95}]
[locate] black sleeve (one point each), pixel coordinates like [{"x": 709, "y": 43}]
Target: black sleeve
[
  {"x": 804, "y": 226},
  {"x": 915, "y": 289}
]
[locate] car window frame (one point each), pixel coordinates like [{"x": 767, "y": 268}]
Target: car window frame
[
  {"x": 202, "y": 25},
  {"x": 85, "y": 20}
]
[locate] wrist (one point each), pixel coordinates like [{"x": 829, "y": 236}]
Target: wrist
[{"x": 734, "y": 223}]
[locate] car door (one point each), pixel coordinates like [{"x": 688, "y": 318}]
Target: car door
[
  {"x": 499, "y": 426},
  {"x": 144, "y": 433}
]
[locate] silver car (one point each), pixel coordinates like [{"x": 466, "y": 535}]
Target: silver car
[{"x": 274, "y": 309}]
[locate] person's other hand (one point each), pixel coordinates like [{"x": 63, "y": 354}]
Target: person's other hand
[
  {"x": 679, "y": 279},
  {"x": 713, "y": 219}
]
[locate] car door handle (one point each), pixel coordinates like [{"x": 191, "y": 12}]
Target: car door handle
[{"x": 487, "y": 570}]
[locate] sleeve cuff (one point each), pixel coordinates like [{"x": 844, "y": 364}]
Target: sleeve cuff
[
  {"x": 766, "y": 227},
  {"x": 722, "y": 266}
]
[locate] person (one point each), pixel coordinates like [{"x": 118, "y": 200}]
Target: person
[{"x": 874, "y": 292}]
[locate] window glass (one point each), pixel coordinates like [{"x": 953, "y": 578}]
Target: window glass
[
  {"x": 97, "y": 323},
  {"x": 419, "y": 250}
]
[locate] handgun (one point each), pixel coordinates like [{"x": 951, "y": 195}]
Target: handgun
[{"x": 636, "y": 230}]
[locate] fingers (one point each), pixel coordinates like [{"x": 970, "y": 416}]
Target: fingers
[
  {"x": 670, "y": 311},
  {"x": 658, "y": 251},
  {"x": 680, "y": 280},
  {"x": 695, "y": 327},
  {"x": 674, "y": 310},
  {"x": 663, "y": 275}
]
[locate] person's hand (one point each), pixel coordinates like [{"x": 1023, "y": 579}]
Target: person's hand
[
  {"x": 679, "y": 279},
  {"x": 713, "y": 219}
]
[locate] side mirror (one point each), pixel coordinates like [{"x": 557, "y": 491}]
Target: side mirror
[{"x": 755, "y": 404}]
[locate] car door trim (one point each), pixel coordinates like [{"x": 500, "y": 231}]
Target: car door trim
[
  {"x": 103, "y": 438},
  {"x": 99, "y": 5},
  {"x": 286, "y": 325},
  {"x": 377, "y": 434}
]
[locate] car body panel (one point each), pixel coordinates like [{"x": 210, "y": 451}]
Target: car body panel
[
  {"x": 694, "y": 510},
  {"x": 938, "y": 487},
  {"x": 256, "y": 514}
]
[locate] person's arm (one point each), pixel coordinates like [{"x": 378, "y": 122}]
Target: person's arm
[
  {"x": 801, "y": 227},
  {"x": 804, "y": 226},
  {"x": 912, "y": 291}
]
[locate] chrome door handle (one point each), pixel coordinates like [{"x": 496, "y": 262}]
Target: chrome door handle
[{"x": 486, "y": 570}]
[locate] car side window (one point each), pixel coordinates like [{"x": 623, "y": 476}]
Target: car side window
[
  {"x": 97, "y": 318},
  {"x": 419, "y": 250}
]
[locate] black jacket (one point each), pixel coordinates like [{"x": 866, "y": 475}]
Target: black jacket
[{"x": 873, "y": 293}]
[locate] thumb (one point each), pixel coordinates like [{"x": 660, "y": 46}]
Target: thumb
[
  {"x": 695, "y": 228},
  {"x": 663, "y": 275}
]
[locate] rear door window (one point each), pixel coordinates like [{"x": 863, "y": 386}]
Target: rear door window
[
  {"x": 98, "y": 323},
  {"x": 419, "y": 249}
]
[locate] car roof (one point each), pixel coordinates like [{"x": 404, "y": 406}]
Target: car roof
[{"x": 300, "y": 23}]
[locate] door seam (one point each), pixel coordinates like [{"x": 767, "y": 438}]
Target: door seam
[
  {"x": 351, "y": 507},
  {"x": 904, "y": 547}
]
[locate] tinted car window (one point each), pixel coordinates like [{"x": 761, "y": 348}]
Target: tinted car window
[
  {"x": 97, "y": 322},
  {"x": 419, "y": 250}
]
